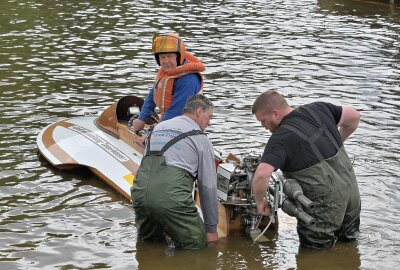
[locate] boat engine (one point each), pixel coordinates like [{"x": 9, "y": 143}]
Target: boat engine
[
  {"x": 234, "y": 179},
  {"x": 234, "y": 190}
]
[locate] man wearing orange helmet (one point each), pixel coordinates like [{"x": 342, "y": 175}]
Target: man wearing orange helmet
[{"x": 178, "y": 78}]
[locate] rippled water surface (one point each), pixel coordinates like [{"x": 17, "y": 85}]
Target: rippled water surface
[{"x": 67, "y": 58}]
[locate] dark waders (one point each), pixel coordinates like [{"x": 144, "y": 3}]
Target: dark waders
[
  {"x": 332, "y": 185},
  {"x": 163, "y": 202}
]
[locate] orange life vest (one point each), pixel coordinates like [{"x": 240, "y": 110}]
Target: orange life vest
[{"x": 165, "y": 80}]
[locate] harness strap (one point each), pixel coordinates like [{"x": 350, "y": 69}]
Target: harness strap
[
  {"x": 307, "y": 139},
  {"x": 327, "y": 131},
  {"x": 312, "y": 139},
  {"x": 171, "y": 142}
]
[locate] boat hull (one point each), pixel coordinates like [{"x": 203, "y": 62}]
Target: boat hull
[{"x": 79, "y": 142}]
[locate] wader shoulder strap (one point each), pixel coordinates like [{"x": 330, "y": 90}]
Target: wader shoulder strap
[
  {"x": 171, "y": 142},
  {"x": 311, "y": 140},
  {"x": 327, "y": 131},
  {"x": 148, "y": 142}
]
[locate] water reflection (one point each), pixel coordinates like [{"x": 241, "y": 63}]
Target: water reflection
[
  {"x": 353, "y": 7},
  {"x": 342, "y": 256},
  {"x": 178, "y": 259}
]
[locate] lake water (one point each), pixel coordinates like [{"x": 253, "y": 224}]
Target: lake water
[{"x": 66, "y": 58}]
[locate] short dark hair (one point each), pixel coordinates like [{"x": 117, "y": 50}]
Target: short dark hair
[
  {"x": 198, "y": 101},
  {"x": 269, "y": 101}
]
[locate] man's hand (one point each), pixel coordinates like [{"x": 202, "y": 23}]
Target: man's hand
[
  {"x": 141, "y": 141},
  {"x": 212, "y": 237},
  {"x": 263, "y": 208},
  {"x": 137, "y": 125}
]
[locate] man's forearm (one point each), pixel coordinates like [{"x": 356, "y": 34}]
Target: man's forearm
[
  {"x": 208, "y": 202},
  {"x": 260, "y": 185}
]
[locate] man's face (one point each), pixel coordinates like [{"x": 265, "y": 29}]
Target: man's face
[
  {"x": 168, "y": 61},
  {"x": 268, "y": 120},
  {"x": 203, "y": 118}
]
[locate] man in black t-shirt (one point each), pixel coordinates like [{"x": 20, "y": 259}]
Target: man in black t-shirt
[{"x": 307, "y": 145}]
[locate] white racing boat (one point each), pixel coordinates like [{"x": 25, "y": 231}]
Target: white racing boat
[
  {"x": 102, "y": 143},
  {"x": 106, "y": 145}
]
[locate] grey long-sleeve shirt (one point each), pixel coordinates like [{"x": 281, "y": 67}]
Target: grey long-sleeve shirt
[{"x": 194, "y": 154}]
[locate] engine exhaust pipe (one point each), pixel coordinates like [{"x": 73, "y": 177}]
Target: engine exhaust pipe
[
  {"x": 293, "y": 190},
  {"x": 290, "y": 208}
]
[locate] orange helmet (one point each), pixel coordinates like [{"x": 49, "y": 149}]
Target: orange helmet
[{"x": 170, "y": 43}]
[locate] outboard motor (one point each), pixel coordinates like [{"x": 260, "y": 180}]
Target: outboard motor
[{"x": 234, "y": 183}]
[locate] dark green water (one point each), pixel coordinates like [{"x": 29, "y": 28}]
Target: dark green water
[{"x": 67, "y": 58}]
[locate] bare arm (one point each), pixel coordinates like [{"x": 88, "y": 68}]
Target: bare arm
[
  {"x": 348, "y": 122},
  {"x": 260, "y": 185}
]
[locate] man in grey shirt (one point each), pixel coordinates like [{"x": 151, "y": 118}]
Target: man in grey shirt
[{"x": 178, "y": 153}]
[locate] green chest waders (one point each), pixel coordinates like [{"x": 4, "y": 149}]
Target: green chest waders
[
  {"x": 163, "y": 202},
  {"x": 332, "y": 185}
]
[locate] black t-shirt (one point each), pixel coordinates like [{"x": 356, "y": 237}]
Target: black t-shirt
[{"x": 287, "y": 151}]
